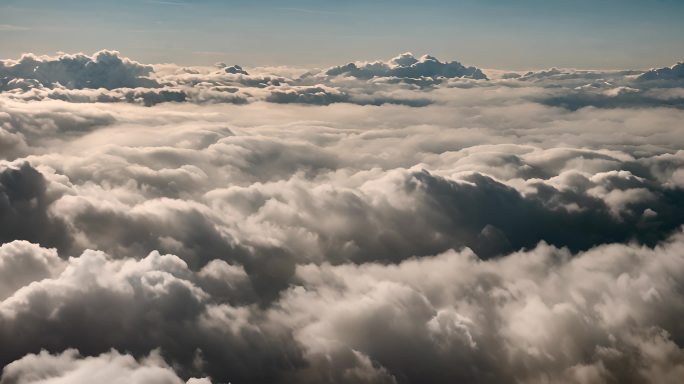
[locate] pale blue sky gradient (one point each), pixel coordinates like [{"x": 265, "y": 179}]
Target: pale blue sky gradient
[{"x": 523, "y": 34}]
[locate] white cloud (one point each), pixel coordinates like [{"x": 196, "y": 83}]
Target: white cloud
[
  {"x": 107, "y": 368},
  {"x": 105, "y": 69},
  {"x": 407, "y": 66}
]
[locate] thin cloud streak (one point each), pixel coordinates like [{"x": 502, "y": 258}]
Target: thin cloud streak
[{"x": 11, "y": 27}]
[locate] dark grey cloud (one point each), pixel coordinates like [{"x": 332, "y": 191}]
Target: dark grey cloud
[
  {"x": 146, "y": 97},
  {"x": 624, "y": 97},
  {"x": 24, "y": 208},
  {"x": 235, "y": 69},
  {"x": 324, "y": 95},
  {"x": 319, "y": 95}
]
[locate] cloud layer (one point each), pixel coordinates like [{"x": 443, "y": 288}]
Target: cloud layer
[{"x": 406, "y": 221}]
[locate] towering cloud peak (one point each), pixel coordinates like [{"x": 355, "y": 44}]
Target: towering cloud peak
[
  {"x": 104, "y": 69},
  {"x": 233, "y": 69},
  {"x": 404, "y": 60},
  {"x": 407, "y": 66},
  {"x": 675, "y": 72}
]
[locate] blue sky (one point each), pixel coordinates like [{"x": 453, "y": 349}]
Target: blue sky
[{"x": 521, "y": 34}]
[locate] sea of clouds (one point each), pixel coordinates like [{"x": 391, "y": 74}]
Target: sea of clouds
[{"x": 400, "y": 221}]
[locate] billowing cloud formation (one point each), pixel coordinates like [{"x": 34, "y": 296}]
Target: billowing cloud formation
[
  {"x": 608, "y": 314},
  {"x": 246, "y": 226},
  {"x": 234, "y": 69},
  {"x": 109, "y": 368},
  {"x": 407, "y": 66},
  {"x": 107, "y": 77},
  {"x": 105, "y": 69},
  {"x": 675, "y": 72}
]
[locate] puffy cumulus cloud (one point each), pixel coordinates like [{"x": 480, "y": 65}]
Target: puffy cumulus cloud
[
  {"x": 543, "y": 315},
  {"x": 675, "y": 72},
  {"x": 203, "y": 191},
  {"x": 610, "y": 314},
  {"x": 97, "y": 303},
  {"x": 22, "y": 262},
  {"x": 104, "y": 69},
  {"x": 12, "y": 144},
  {"x": 107, "y": 368},
  {"x": 108, "y": 77},
  {"x": 406, "y": 213},
  {"x": 407, "y": 66},
  {"x": 274, "y": 226}
]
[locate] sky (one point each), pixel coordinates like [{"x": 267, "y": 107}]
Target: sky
[{"x": 525, "y": 34}]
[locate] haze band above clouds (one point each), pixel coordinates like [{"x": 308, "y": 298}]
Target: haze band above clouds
[{"x": 406, "y": 221}]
